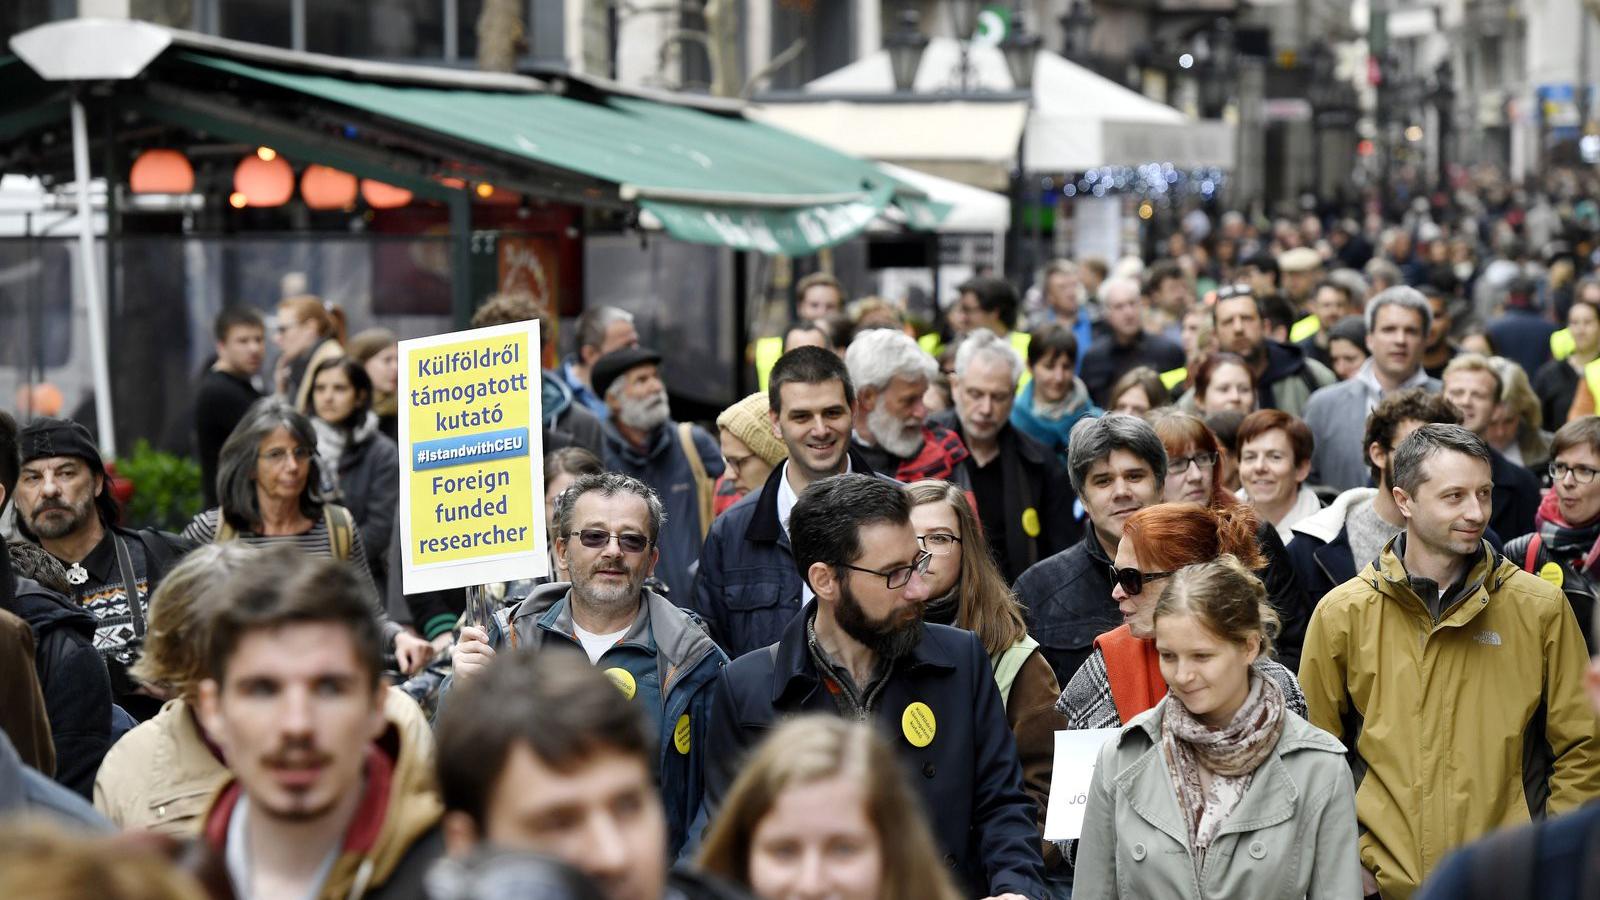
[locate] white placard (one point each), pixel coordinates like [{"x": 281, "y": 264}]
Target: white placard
[{"x": 1076, "y": 755}]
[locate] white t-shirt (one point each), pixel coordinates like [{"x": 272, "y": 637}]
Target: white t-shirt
[{"x": 596, "y": 645}]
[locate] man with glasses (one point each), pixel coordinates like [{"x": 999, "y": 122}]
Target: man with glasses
[
  {"x": 1564, "y": 547},
  {"x": 1118, "y": 466},
  {"x": 862, "y": 651},
  {"x": 1285, "y": 377},
  {"x": 658, "y": 656}
]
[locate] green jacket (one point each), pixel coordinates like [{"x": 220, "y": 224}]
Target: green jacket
[
  {"x": 1292, "y": 835},
  {"x": 1459, "y": 725}
]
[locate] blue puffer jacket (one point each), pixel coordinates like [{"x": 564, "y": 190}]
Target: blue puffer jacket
[
  {"x": 688, "y": 663},
  {"x": 664, "y": 467}
]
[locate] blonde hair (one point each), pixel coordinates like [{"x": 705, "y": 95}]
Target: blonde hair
[
  {"x": 988, "y": 608},
  {"x": 178, "y": 622},
  {"x": 1227, "y": 598},
  {"x": 815, "y": 748},
  {"x": 40, "y": 860}
]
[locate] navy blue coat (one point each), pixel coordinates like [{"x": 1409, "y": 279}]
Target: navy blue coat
[
  {"x": 969, "y": 775},
  {"x": 1552, "y": 860},
  {"x": 748, "y": 588}
]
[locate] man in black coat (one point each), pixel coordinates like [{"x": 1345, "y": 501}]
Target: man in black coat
[
  {"x": 226, "y": 391},
  {"x": 862, "y": 651},
  {"x": 77, "y": 691},
  {"x": 1024, "y": 499}
]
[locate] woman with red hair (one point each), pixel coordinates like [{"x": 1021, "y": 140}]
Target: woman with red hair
[
  {"x": 1122, "y": 677},
  {"x": 1193, "y": 458}
]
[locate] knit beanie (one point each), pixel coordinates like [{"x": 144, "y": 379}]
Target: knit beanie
[{"x": 747, "y": 420}]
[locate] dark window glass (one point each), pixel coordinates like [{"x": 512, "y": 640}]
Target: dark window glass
[
  {"x": 258, "y": 21},
  {"x": 467, "y": 12},
  {"x": 376, "y": 29}
]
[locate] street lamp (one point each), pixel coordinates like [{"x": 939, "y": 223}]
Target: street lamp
[
  {"x": 964, "y": 16},
  {"x": 905, "y": 45},
  {"x": 1076, "y": 26},
  {"x": 1021, "y": 49}
]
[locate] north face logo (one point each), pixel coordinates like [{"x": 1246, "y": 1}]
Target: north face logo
[{"x": 1491, "y": 638}]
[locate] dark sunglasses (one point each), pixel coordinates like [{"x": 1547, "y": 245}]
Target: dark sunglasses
[
  {"x": 599, "y": 539},
  {"x": 1133, "y": 580}
]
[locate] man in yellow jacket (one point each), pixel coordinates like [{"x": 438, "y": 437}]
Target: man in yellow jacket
[{"x": 1455, "y": 678}]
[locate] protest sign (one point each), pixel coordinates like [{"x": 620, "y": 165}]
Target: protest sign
[
  {"x": 471, "y": 458},
  {"x": 1076, "y": 755}
]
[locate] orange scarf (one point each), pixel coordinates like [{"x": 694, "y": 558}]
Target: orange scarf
[{"x": 1134, "y": 670}]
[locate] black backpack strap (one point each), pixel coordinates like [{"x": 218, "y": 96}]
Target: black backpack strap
[
  {"x": 1503, "y": 865},
  {"x": 158, "y": 554}
]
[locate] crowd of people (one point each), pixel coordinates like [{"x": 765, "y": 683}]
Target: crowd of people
[{"x": 1305, "y": 512}]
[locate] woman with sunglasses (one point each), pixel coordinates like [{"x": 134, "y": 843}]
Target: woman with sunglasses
[
  {"x": 1193, "y": 476},
  {"x": 966, "y": 590},
  {"x": 1122, "y": 678},
  {"x": 1221, "y": 789}
]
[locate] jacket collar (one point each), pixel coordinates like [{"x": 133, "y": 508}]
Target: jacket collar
[
  {"x": 1326, "y": 523},
  {"x": 1387, "y": 575},
  {"x": 661, "y": 439},
  {"x": 794, "y": 673},
  {"x": 678, "y": 638},
  {"x": 764, "y": 527},
  {"x": 1011, "y": 440}
]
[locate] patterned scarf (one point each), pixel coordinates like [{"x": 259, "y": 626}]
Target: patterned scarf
[
  {"x": 1564, "y": 542},
  {"x": 1229, "y": 758}
]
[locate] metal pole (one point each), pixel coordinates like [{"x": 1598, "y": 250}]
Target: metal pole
[{"x": 90, "y": 274}]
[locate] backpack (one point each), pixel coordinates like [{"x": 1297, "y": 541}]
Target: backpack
[{"x": 341, "y": 530}]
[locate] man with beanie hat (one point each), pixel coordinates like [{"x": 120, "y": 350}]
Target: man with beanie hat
[
  {"x": 64, "y": 504},
  {"x": 749, "y": 448},
  {"x": 679, "y": 461}
]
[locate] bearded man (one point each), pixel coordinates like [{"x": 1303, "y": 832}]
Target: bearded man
[
  {"x": 892, "y": 432},
  {"x": 862, "y": 651},
  {"x": 642, "y": 440}
]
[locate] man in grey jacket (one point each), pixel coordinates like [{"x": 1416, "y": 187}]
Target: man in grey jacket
[{"x": 1397, "y": 322}]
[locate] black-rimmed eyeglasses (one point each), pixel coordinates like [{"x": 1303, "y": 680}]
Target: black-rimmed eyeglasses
[{"x": 900, "y": 576}]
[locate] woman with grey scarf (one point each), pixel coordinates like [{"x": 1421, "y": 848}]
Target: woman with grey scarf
[
  {"x": 360, "y": 465},
  {"x": 1220, "y": 790}
]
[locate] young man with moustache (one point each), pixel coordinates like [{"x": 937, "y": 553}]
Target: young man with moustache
[
  {"x": 328, "y": 798},
  {"x": 1454, "y": 677},
  {"x": 606, "y": 531},
  {"x": 862, "y": 651},
  {"x": 1118, "y": 465},
  {"x": 747, "y": 588}
]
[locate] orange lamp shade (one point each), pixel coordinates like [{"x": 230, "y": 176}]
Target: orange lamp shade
[
  {"x": 161, "y": 171},
  {"x": 322, "y": 187},
  {"x": 264, "y": 183},
  {"x": 383, "y": 196}
]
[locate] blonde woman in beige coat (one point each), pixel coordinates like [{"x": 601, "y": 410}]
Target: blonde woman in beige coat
[
  {"x": 1220, "y": 791},
  {"x": 161, "y": 775}
]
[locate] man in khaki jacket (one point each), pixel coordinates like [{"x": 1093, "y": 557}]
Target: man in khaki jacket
[{"x": 1456, "y": 677}]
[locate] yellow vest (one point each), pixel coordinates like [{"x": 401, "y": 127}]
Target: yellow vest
[
  {"x": 1591, "y": 377},
  {"x": 1304, "y": 328},
  {"x": 768, "y": 349},
  {"x": 1562, "y": 344},
  {"x": 1174, "y": 377}
]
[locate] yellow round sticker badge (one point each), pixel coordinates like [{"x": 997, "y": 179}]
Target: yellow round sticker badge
[
  {"x": 918, "y": 724},
  {"x": 680, "y": 734},
  {"x": 1551, "y": 572},
  {"x": 623, "y": 679},
  {"x": 1030, "y": 522}
]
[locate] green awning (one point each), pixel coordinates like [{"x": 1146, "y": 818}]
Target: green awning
[{"x": 706, "y": 178}]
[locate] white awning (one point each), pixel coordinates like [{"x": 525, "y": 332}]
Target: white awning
[{"x": 971, "y": 209}]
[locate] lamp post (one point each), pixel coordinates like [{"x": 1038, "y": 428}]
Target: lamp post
[
  {"x": 1076, "y": 27},
  {"x": 1021, "y": 50},
  {"x": 906, "y": 45},
  {"x": 1444, "y": 99},
  {"x": 964, "y": 18}
]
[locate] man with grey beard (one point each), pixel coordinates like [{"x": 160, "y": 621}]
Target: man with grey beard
[
  {"x": 891, "y": 374},
  {"x": 607, "y": 531},
  {"x": 642, "y": 440}
]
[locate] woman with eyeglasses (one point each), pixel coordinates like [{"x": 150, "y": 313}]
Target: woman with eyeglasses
[
  {"x": 1221, "y": 789},
  {"x": 1564, "y": 547},
  {"x": 966, "y": 590},
  {"x": 269, "y": 484},
  {"x": 1122, "y": 677},
  {"x": 1193, "y": 457},
  {"x": 749, "y": 448}
]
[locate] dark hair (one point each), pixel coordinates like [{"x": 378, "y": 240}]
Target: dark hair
[
  {"x": 554, "y": 703},
  {"x": 1054, "y": 339},
  {"x": 815, "y": 326},
  {"x": 280, "y": 584},
  {"x": 1224, "y": 423},
  {"x": 1580, "y": 432},
  {"x": 574, "y": 461},
  {"x": 1262, "y": 262},
  {"x": 1275, "y": 310},
  {"x": 1412, "y": 405},
  {"x": 1163, "y": 271},
  {"x": 1426, "y": 441},
  {"x": 1092, "y": 440},
  {"x": 233, "y": 317},
  {"x": 1340, "y": 285},
  {"x": 1145, "y": 378},
  {"x": 825, "y": 525},
  {"x": 236, "y": 463},
  {"x": 995, "y": 295},
  {"x": 10, "y": 458},
  {"x": 807, "y": 365},
  {"x": 1301, "y": 441},
  {"x": 359, "y": 380},
  {"x": 609, "y": 484}
]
